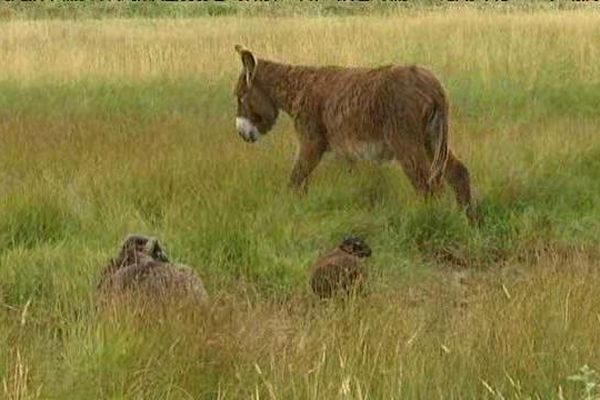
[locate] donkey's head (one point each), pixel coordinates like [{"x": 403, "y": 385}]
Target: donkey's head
[{"x": 256, "y": 112}]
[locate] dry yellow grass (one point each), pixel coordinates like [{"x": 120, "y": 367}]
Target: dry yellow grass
[{"x": 519, "y": 46}]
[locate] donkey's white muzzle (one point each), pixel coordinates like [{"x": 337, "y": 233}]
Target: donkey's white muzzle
[{"x": 246, "y": 129}]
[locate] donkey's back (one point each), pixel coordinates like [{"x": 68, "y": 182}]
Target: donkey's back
[{"x": 384, "y": 113}]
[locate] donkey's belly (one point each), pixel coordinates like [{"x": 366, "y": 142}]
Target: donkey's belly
[{"x": 371, "y": 151}]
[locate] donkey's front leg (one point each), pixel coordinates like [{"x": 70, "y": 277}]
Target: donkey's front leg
[{"x": 309, "y": 155}]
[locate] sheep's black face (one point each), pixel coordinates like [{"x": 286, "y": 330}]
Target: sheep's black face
[
  {"x": 134, "y": 243},
  {"x": 355, "y": 246},
  {"x": 156, "y": 251}
]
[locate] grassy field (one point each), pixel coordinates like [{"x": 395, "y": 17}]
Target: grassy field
[{"x": 127, "y": 125}]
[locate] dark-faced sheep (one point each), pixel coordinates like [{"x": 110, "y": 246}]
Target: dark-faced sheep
[
  {"x": 342, "y": 269},
  {"x": 142, "y": 271}
]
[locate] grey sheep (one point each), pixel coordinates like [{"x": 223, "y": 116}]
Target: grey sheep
[{"x": 143, "y": 269}]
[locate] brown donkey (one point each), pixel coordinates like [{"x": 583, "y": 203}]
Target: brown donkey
[{"x": 381, "y": 114}]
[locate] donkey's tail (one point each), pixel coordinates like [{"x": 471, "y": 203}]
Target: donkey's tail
[{"x": 437, "y": 133}]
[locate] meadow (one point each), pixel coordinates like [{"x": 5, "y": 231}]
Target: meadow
[{"x": 117, "y": 125}]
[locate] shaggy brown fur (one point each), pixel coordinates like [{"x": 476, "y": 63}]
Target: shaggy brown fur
[
  {"x": 388, "y": 113},
  {"x": 341, "y": 270},
  {"x": 143, "y": 270}
]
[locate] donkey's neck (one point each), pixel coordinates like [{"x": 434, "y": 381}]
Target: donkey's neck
[{"x": 282, "y": 83}]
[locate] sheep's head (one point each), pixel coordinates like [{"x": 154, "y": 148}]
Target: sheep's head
[
  {"x": 135, "y": 244},
  {"x": 155, "y": 250},
  {"x": 355, "y": 246}
]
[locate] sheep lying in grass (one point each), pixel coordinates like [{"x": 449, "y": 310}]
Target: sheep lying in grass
[
  {"x": 143, "y": 271},
  {"x": 342, "y": 269}
]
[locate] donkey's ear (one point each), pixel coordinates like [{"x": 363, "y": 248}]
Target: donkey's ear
[
  {"x": 239, "y": 48},
  {"x": 249, "y": 62}
]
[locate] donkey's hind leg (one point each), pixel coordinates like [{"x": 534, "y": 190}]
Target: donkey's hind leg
[{"x": 416, "y": 164}]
